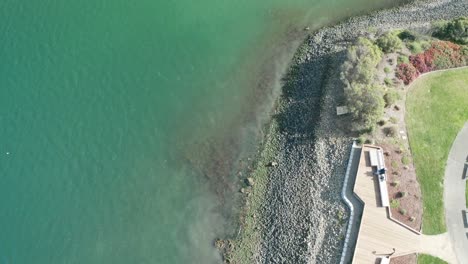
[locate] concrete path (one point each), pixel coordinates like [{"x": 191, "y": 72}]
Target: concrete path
[
  {"x": 454, "y": 195},
  {"x": 439, "y": 246}
]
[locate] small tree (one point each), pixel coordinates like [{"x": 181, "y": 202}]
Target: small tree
[
  {"x": 389, "y": 42},
  {"x": 361, "y": 61},
  {"x": 365, "y": 104},
  {"x": 363, "y": 97}
]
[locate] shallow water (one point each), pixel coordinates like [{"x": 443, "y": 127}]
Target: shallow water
[{"x": 121, "y": 121}]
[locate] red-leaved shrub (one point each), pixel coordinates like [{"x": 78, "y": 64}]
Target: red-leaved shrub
[
  {"x": 419, "y": 62},
  {"x": 441, "y": 55},
  {"x": 406, "y": 72},
  {"x": 445, "y": 55}
]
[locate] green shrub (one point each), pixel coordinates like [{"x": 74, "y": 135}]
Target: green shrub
[
  {"x": 381, "y": 122},
  {"x": 391, "y": 131},
  {"x": 400, "y": 150},
  {"x": 402, "y": 59},
  {"x": 395, "y": 183},
  {"x": 389, "y": 42},
  {"x": 405, "y": 160},
  {"x": 388, "y": 81},
  {"x": 394, "y": 203},
  {"x": 391, "y": 97},
  {"x": 393, "y": 120},
  {"x": 402, "y": 194},
  {"x": 415, "y": 47},
  {"x": 394, "y": 165},
  {"x": 402, "y": 211},
  {"x": 455, "y": 30},
  {"x": 361, "y": 140},
  {"x": 407, "y": 35},
  {"x": 387, "y": 70}
]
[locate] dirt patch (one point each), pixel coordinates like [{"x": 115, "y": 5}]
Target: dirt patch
[{"x": 407, "y": 259}]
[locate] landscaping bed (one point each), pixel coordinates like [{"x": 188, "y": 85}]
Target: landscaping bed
[
  {"x": 407, "y": 259},
  {"x": 404, "y": 190}
]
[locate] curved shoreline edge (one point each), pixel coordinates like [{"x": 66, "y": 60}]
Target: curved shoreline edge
[{"x": 302, "y": 218}]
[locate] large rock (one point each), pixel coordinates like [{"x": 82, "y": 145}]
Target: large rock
[{"x": 250, "y": 181}]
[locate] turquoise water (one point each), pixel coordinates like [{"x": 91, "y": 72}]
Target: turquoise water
[{"x": 120, "y": 121}]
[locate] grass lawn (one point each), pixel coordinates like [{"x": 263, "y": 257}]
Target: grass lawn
[
  {"x": 437, "y": 109},
  {"x": 428, "y": 259}
]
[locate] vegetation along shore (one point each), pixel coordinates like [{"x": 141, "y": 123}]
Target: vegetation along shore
[{"x": 293, "y": 211}]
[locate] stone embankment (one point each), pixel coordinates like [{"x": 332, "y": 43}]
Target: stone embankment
[{"x": 304, "y": 218}]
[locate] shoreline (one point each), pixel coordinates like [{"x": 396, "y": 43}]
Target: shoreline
[{"x": 301, "y": 218}]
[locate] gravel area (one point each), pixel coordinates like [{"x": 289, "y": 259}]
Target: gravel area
[{"x": 304, "y": 218}]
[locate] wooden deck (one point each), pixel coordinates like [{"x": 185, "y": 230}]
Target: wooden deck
[{"x": 379, "y": 236}]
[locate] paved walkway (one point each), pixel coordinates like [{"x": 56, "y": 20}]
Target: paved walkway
[
  {"x": 454, "y": 195},
  {"x": 440, "y": 246}
]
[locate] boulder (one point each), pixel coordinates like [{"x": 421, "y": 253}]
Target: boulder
[{"x": 250, "y": 181}]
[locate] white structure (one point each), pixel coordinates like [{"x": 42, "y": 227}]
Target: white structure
[
  {"x": 377, "y": 160},
  {"x": 384, "y": 260},
  {"x": 342, "y": 110}
]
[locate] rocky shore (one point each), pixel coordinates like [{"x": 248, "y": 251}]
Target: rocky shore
[{"x": 302, "y": 218}]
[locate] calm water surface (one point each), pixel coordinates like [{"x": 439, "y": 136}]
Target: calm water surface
[{"x": 119, "y": 120}]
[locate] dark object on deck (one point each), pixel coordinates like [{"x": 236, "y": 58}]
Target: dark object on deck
[
  {"x": 382, "y": 171},
  {"x": 465, "y": 172},
  {"x": 465, "y": 218}
]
